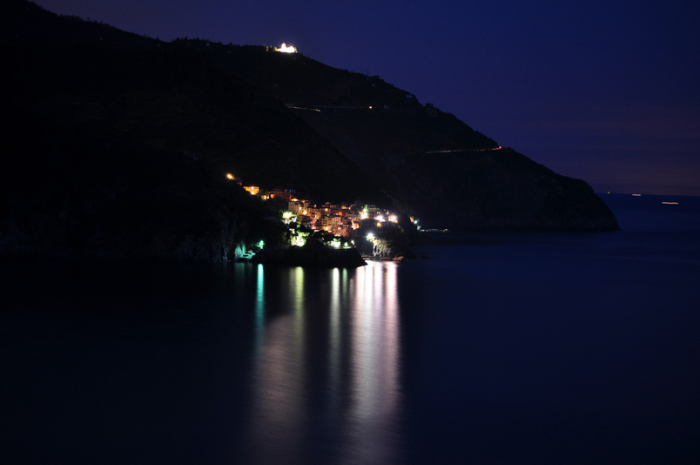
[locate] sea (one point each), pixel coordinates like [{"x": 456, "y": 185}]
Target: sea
[{"x": 488, "y": 349}]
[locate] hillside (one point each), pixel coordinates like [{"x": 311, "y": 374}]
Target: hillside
[
  {"x": 433, "y": 165},
  {"x": 120, "y": 146},
  {"x": 117, "y": 145}
]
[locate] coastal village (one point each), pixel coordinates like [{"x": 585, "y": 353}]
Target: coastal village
[{"x": 342, "y": 220}]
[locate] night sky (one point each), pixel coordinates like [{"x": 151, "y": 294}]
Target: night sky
[{"x": 605, "y": 91}]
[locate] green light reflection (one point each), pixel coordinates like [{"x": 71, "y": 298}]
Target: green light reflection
[{"x": 260, "y": 306}]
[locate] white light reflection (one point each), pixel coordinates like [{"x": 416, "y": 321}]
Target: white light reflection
[
  {"x": 375, "y": 359},
  {"x": 348, "y": 320},
  {"x": 297, "y": 286},
  {"x": 334, "y": 359}
]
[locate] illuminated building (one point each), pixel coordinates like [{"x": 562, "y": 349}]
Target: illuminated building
[
  {"x": 284, "y": 48},
  {"x": 252, "y": 190}
]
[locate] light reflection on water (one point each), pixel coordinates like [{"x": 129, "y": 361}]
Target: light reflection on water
[
  {"x": 375, "y": 367},
  {"x": 259, "y": 305},
  {"x": 358, "y": 381}
]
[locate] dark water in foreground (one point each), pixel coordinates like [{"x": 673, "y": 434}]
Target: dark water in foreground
[{"x": 561, "y": 349}]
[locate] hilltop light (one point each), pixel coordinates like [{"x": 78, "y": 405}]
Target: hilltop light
[
  {"x": 230, "y": 176},
  {"x": 284, "y": 48}
]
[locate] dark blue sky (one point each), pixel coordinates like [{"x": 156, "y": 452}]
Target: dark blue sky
[{"x": 605, "y": 91}]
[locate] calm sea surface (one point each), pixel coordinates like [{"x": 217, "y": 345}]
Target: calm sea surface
[{"x": 523, "y": 349}]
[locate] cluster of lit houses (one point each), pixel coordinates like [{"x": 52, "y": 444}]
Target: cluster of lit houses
[{"x": 337, "y": 219}]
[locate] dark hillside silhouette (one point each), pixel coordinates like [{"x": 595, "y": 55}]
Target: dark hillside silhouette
[{"x": 118, "y": 145}]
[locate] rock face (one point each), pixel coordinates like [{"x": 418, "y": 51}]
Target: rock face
[{"x": 321, "y": 257}]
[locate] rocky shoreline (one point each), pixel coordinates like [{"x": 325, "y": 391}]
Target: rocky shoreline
[{"x": 320, "y": 257}]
